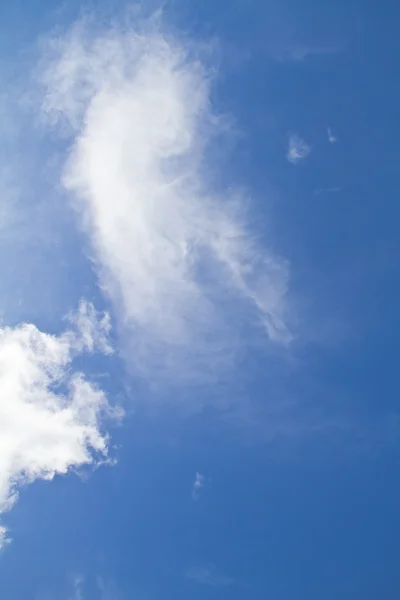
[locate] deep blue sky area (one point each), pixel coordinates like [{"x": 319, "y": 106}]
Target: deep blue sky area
[{"x": 298, "y": 447}]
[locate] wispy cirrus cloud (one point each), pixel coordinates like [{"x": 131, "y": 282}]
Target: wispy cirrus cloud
[
  {"x": 50, "y": 416},
  {"x": 168, "y": 247},
  {"x": 298, "y": 149}
]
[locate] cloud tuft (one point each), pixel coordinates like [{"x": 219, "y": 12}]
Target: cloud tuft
[
  {"x": 332, "y": 138},
  {"x": 298, "y": 149},
  {"x": 49, "y": 414},
  {"x": 197, "y": 485}
]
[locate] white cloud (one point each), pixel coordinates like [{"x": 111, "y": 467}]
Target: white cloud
[
  {"x": 3, "y": 537},
  {"x": 331, "y": 137},
  {"x": 49, "y": 414},
  {"x": 197, "y": 485},
  {"x": 168, "y": 248},
  {"x": 93, "y": 329},
  {"x": 298, "y": 149}
]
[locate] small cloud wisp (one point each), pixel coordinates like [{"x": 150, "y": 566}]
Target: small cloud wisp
[
  {"x": 332, "y": 138},
  {"x": 210, "y": 576},
  {"x": 197, "y": 485},
  {"x": 298, "y": 149}
]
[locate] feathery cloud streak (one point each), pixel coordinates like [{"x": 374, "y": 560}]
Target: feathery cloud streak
[
  {"x": 167, "y": 247},
  {"x": 49, "y": 415}
]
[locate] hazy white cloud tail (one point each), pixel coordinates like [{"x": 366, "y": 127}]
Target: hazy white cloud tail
[{"x": 166, "y": 245}]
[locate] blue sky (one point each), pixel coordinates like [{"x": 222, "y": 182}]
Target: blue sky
[{"x": 199, "y": 300}]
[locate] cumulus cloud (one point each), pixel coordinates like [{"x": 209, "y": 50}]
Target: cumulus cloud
[
  {"x": 49, "y": 414},
  {"x": 168, "y": 248},
  {"x": 298, "y": 149}
]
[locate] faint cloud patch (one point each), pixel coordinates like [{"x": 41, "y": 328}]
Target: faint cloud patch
[
  {"x": 102, "y": 589},
  {"x": 77, "y": 593},
  {"x": 9, "y": 195},
  {"x": 329, "y": 190},
  {"x": 210, "y": 576},
  {"x": 300, "y": 52},
  {"x": 108, "y": 590},
  {"x": 332, "y": 138},
  {"x": 198, "y": 484},
  {"x": 298, "y": 149}
]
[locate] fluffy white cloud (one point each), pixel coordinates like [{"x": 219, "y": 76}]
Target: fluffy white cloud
[
  {"x": 169, "y": 250},
  {"x": 298, "y": 149},
  {"x": 49, "y": 414}
]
